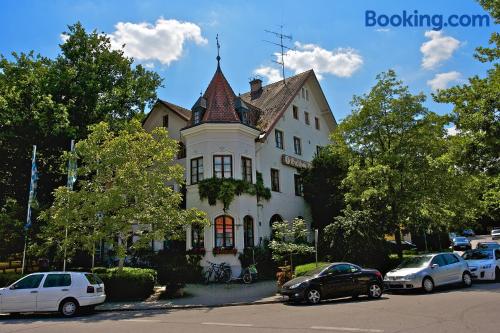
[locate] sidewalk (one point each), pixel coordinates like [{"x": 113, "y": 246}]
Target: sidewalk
[{"x": 212, "y": 295}]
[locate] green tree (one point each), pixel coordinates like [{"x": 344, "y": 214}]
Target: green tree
[
  {"x": 124, "y": 178},
  {"x": 323, "y": 185},
  {"x": 48, "y": 102},
  {"x": 476, "y": 116},
  {"x": 396, "y": 148},
  {"x": 289, "y": 239}
]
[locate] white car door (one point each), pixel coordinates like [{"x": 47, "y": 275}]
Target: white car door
[
  {"x": 454, "y": 268},
  {"x": 54, "y": 288},
  {"x": 497, "y": 257},
  {"x": 21, "y": 296},
  {"x": 440, "y": 272}
]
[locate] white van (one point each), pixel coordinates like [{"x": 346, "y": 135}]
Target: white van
[{"x": 65, "y": 292}]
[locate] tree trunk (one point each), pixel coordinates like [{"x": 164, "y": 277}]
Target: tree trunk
[
  {"x": 397, "y": 236},
  {"x": 121, "y": 260}
]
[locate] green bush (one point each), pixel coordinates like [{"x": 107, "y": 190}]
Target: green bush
[
  {"x": 176, "y": 268},
  {"x": 6, "y": 279},
  {"x": 303, "y": 269},
  {"x": 262, "y": 255},
  {"x": 128, "y": 283}
]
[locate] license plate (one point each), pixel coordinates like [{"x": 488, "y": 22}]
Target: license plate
[{"x": 99, "y": 290}]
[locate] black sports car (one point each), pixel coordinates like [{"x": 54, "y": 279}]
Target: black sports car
[{"x": 340, "y": 279}]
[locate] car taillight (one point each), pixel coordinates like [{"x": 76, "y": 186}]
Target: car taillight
[{"x": 90, "y": 290}]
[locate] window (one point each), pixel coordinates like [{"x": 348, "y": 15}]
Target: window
[
  {"x": 302, "y": 91},
  {"x": 318, "y": 150},
  {"x": 165, "y": 121},
  {"x": 29, "y": 282},
  {"x": 299, "y": 187},
  {"x": 223, "y": 166},
  {"x": 450, "y": 259},
  {"x": 306, "y": 118},
  {"x": 339, "y": 269},
  {"x": 275, "y": 180},
  {"x": 196, "y": 170},
  {"x": 307, "y": 95},
  {"x": 295, "y": 110},
  {"x": 438, "y": 260},
  {"x": 316, "y": 122},
  {"x": 197, "y": 237},
  {"x": 248, "y": 231},
  {"x": 197, "y": 117},
  {"x": 224, "y": 231},
  {"x": 278, "y": 135},
  {"x": 181, "y": 153},
  {"x": 57, "y": 280},
  {"x": 93, "y": 279},
  {"x": 246, "y": 169},
  {"x": 297, "y": 146}
]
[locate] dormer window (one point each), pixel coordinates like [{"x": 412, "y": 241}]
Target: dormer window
[{"x": 197, "y": 117}]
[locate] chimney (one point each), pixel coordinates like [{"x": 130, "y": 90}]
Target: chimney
[{"x": 255, "y": 86}]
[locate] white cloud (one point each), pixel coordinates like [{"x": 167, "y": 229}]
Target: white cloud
[
  {"x": 452, "y": 130},
  {"x": 441, "y": 80},
  {"x": 164, "y": 41},
  {"x": 342, "y": 62},
  {"x": 438, "y": 49},
  {"x": 270, "y": 73},
  {"x": 64, "y": 37}
]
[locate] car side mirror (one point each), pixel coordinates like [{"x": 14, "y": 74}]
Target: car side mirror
[{"x": 434, "y": 266}]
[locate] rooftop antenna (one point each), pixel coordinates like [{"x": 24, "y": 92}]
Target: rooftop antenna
[{"x": 282, "y": 46}]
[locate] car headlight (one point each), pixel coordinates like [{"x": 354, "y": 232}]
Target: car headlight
[
  {"x": 410, "y": 276},
  {"x": 486, "y": 266},
  {"x": 293, "y": 286}
]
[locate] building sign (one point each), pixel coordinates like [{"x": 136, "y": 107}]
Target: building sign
[{"x": 295, "y": 162}]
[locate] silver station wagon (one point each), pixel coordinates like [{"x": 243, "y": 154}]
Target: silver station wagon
[{"x": 429, "y": 271}]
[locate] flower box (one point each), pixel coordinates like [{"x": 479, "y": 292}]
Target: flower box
[
  {"x": 221, "y": 250},
  {"x": 198, "y": 251}
]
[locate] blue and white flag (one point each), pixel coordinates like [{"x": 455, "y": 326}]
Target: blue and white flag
[
  {"x": 32, "y": 194},
  {"x": 72, "y": 167}
]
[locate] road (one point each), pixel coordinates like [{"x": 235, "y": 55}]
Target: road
[{"x": 450, "y": 309}]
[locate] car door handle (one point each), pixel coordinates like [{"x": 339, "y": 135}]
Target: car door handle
[
  {"x": 64, "y": 289},
  {"x": 33, "y": 292}
]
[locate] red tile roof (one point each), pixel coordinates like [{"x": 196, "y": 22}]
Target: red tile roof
[{"x": 220, "y": 100}]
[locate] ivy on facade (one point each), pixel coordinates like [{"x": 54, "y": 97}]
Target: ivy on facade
[{"x": 225, "y": 189}]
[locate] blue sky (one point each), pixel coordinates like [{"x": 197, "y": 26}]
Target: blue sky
[{"x": 177, "y": 39}]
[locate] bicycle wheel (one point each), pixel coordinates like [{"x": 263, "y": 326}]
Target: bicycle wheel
[
  {"x": 206, "y": 276},
  {"x": 227, "y": 275}
]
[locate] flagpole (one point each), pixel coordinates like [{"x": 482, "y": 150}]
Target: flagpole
[{"x": 28, "y": 214}]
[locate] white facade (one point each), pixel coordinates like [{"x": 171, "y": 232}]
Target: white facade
[{"x": 238, "y": 140}]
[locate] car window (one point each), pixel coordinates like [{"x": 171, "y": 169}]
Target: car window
[
  {"x": 497, "y": 254},
  {"x": 29, "y": 282},
  {"x": 342, "y": 269},
  {"x": 480, "y": 254},
  {"x": 57, "y": 280},
  {"x": 354, "y": 269},
  {"x": 450, "y": 259},
  {"x": 93, "y": 279},
  {"x": 438, "y": 260}
]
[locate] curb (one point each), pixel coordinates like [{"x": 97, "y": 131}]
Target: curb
[{"x": 194, "y": 306}]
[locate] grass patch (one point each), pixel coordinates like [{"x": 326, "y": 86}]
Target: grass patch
[{"x": 304, "y": 269}]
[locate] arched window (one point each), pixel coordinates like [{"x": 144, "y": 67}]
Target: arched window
[
  {"x": 248, "y": 231},
  {"x": 197, "y": 237},
  {"x": 224, "y": 231},
  {"x": 274, "y": 218}
]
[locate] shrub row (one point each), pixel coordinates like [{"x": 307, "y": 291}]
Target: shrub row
[
  {"x": 6, "y": 279},
  {"x": 128, "y": 283}
]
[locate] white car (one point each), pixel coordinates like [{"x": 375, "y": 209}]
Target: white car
[
  {"x": 65, "y": 292},
  {"x": 484, "y": 264},
  {"x": 495, "y": 233}
]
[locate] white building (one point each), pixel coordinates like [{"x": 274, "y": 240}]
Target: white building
[{"x": 273, "y": 130}]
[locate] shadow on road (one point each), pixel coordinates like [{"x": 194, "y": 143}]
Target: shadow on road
[{"x": 338, "y": 301}]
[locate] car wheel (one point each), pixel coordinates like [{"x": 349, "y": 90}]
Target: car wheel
[
  {"x": 68, "y": 307},
  {"x": 497, "y": 274},
  {"x": 374, "y": 290},
  {"x": 466, "y": 279},
  {"x": 428, "y": 285},
  {"x": 313, "y": 296}
]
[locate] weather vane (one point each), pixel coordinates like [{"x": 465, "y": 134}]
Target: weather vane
[{"x": 218, "y": 48}]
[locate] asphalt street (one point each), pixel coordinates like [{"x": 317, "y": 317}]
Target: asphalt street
[{"x": 450, "y": 309}]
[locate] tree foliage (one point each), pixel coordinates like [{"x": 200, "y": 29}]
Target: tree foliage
[
  {"x": 289, "y": 239},
  {"x": 123, "y": 181}
]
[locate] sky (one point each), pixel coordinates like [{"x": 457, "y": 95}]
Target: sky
[{"x": 177, "y": 40}]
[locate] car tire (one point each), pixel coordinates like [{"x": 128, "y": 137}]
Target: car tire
[
  {"x": 466, "y": 279},
  {"x": 497, "y": 274},
  {"x": 374, "y": 291},
  {"x": 313, "y": 296},
  {"x": 69, "y": 307},
  {"x": 428, "y": 285}
]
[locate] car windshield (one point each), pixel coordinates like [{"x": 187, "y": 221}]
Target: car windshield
[
  {"x": 460, "y": 239},
  {"x": 496, "y": 231},
  {"x": 478, "y": 255},
  {"x": 416, "y": 262},
  {"x": 488, "y": 245},
  {"x": 315, "y": 271}
]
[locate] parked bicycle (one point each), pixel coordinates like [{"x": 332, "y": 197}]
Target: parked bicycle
[
  {"x": 249, "y": 274},
  {"x": 218, "y": 273}
]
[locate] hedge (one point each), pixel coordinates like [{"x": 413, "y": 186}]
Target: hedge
[
  {"x": 6, "y": 279},
  {"x": 128, "y": 283},
  {"x": 304, "y": 269}
]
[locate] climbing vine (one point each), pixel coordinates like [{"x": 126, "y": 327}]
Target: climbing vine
[{"x": 225, "y": 189}]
